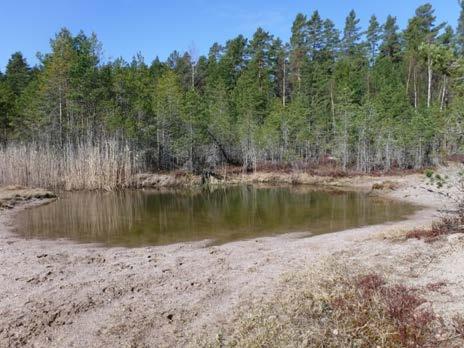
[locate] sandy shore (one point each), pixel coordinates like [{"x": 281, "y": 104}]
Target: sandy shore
[{"x": 60, "y": 294}]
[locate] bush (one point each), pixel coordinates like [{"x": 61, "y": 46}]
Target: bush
[{"x": 429, "y": 173}]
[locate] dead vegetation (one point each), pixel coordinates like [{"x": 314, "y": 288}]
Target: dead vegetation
[
  {"x": 10, "y": 196},
  {"x": 328, "y": 307},
  {"x": 385, "y": 185},
  {"x": 446, "y": 226},
  {"x": 113, "y": 164},
  {"x": 83, "y": 166}
]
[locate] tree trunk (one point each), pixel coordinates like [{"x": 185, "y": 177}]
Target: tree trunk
[
  {"x": 345, "y": 142},
  {"x": 191, "y": 144},
  {"x": 387, "y": 153},
  {"x": 368, "y": 85},
  {"x": 416, "y": 96},
  {"x": 193, "y": 76},
  {"x": 227, "y": 157},
  {"x": 283, "y": 86},
  {"x": 429, "y": 85},
  {"x": 409, "y": 77},
  {"x": 443, "y": 94},
  {"x": 332, "y": 105}
]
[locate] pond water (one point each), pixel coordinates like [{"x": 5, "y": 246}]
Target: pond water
[{"x": 139, "y": 218}]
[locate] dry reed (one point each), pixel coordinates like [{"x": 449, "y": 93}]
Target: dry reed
[{"x": 83, "y": 166}]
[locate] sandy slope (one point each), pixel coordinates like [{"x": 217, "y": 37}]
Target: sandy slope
[{"x": 59, "y": 294}]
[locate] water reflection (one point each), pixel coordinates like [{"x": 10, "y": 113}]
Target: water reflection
[{"x": 136, "y": 218}]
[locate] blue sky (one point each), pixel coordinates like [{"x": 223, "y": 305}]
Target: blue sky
[{"x": 158, "y": 27}]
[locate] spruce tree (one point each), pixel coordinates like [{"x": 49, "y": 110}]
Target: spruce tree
[
  {"x": 315, "y": 34},
  {"x": 18, "y": 73},
  {"x": 460, "y": 29},
  {"x": 351, "y": 33},
  {"x": 391, "y": 46},
  {"x": 373, "y": 36}
]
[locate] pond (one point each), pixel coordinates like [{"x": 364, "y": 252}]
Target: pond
[{"x": 140, "y": 218}]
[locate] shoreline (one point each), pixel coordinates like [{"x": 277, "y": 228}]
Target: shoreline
[{"x": 53, "y": 291}]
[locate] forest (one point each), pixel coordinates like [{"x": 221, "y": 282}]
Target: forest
[{"x": 367, "y": 99}]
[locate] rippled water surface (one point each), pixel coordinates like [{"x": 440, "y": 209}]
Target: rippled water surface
[{"x": 138, "y": 218}]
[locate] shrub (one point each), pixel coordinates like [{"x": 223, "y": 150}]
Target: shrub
[{"x": 446, "y": 226}]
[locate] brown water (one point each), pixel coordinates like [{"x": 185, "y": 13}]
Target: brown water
[{"x": 138, "y": 218}]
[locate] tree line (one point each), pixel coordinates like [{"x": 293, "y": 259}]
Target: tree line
[{"x": 372, "y": 99}]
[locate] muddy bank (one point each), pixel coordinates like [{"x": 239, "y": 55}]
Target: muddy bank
[
  {"x": 11, "y": 196},
  {"x": 183, "y": 179},
  {"x": 55, "y": 293}
]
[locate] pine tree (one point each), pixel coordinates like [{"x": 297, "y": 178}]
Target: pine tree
[
  {"x": 421, "y": 30},
  {"x": 298, "y": 49}
]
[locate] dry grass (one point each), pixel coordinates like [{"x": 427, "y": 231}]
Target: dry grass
[
  {"x": 385, "y": 185},
  {"x": 322, "y": 169},
  {"x": 328, "y": 307},
  {"x": 107, "y": 165}
]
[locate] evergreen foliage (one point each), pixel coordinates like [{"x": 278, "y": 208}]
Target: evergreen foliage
[{"x": 370, "y": 100}]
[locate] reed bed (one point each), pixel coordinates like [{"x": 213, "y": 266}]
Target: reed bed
[{"x": 82, "y": 166}]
